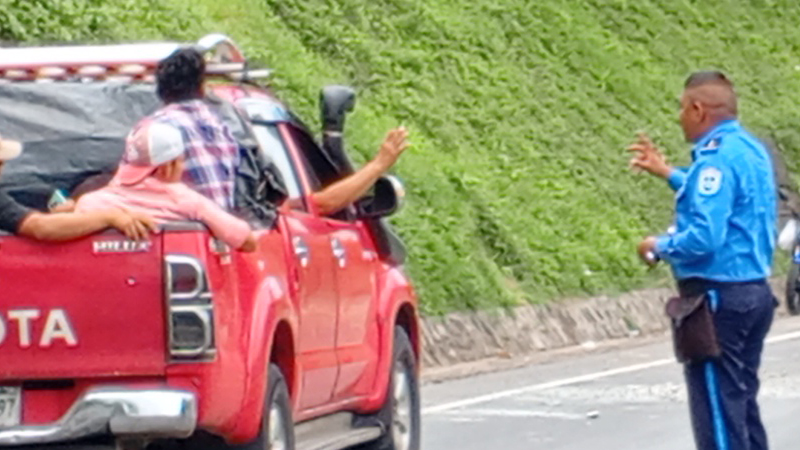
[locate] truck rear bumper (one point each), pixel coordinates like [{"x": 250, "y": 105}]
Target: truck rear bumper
[{"x": 158, "y": 413}]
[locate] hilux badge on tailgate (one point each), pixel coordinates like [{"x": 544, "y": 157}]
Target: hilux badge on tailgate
[{"x": 117, "y": 246}]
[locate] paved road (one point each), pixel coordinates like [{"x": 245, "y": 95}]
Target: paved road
[{"x": 631, "y": 398}]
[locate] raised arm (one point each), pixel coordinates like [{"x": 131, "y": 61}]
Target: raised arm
[{"x": 338, "y": 195}]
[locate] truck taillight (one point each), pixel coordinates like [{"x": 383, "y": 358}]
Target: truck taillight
[{"x": 190, "y": 309}]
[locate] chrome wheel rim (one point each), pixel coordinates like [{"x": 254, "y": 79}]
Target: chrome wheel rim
[
  {"x": 401, "y": 409},
  {"x": 277, "y": 429}
]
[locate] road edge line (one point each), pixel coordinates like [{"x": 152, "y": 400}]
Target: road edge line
[{"x": 574, "y": 380}]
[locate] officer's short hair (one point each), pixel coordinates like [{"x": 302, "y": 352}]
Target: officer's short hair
[
  {"x": 707, "y": 77},
  {"x": 725, "y": 101}
]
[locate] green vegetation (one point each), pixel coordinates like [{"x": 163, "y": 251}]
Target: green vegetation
[{"x": 520, "y": 112}]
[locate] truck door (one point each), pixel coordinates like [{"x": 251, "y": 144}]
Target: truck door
[
  {"x": 314, "y": 280},
  {"x": 354, "y": 268},
  {"x": 357, "y": 330},
  {"x": 312, "y": 277}
]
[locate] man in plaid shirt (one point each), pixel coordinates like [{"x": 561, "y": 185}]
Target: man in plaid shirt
[{"x": 212, "y": 153}]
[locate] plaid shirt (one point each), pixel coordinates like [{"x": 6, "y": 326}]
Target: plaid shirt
[{"x": 212, "y": 153}]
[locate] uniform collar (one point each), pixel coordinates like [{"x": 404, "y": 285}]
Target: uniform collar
[{"x": 708, "y": 141}]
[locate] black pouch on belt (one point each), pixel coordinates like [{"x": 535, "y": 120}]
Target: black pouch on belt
[{"x": 694, "y": 335}]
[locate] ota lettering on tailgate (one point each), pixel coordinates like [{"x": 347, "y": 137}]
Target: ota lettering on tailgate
[{"x": 57, "y": 327}]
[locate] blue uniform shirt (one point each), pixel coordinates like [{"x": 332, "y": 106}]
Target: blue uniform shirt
[{"x": 726, "y": 210}]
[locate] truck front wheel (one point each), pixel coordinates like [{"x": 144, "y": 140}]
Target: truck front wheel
[{"x": 400, "y": 413}]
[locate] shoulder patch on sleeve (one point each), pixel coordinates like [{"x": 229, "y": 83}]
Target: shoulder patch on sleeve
[{"x": 710, "y": 181}]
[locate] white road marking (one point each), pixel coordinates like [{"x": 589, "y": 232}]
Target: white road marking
[
  {"x": 485, "y": 412},
  {"x": 544, "y": 386},
  {"x": 464, "y": 419},
  {"x": 573, "y": 380},
  {"x": 783, "y": 337}
]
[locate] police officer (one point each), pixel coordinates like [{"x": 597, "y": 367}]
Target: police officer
[{"x": 722, "y": 244}]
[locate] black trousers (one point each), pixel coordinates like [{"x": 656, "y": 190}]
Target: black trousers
[{"x": 723, "y": 392}]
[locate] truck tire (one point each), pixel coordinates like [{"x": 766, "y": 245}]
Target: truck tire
[
  {"x": 277, "y": 426},
  {"x": 400, "y": 413},
  {"x": 792, "y": 295}
]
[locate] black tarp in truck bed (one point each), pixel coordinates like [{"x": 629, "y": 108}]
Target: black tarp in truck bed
[{"x": 71, "y": 131}]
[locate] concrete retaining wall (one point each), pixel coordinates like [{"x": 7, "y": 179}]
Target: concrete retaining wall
[{"x": 473, "y": 336}]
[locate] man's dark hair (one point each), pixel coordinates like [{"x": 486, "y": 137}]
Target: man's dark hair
[
  {"x": 720, "y": 95},
  {"x": 180, "y": 75}
]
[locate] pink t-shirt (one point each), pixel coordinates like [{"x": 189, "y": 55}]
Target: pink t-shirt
[{"x": 168, "y": 202}]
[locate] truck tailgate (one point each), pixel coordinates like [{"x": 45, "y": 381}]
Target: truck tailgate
[{"x": 89, "y": 307}]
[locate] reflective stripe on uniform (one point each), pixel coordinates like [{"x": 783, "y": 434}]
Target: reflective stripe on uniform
[{"x": 717, "y": 420}]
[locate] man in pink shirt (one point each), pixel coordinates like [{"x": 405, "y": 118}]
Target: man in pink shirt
[{"x": 149, "y": 181}]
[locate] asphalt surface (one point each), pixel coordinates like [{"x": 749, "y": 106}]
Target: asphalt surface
[{"x": 624, "y": 398}]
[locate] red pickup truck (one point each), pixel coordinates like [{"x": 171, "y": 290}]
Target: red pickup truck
[{"x": 311, "y": 342}]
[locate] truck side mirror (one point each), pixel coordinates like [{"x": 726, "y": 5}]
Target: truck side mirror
[
  {"x": 385, "y": 199},
  {"x": 335, "y": 103}
]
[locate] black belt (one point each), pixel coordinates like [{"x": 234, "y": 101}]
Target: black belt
[{"x": 695, "y": 286}]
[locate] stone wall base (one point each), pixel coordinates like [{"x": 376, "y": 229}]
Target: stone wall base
[{"x": 464, "y": 337}]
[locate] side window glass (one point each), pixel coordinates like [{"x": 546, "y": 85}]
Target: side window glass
[
  {"x": 263, "y": 115},
  {"x": 272, "y": 145},
  {"x": 322, "y": 172},
  {"x": 318, "y": 164}
]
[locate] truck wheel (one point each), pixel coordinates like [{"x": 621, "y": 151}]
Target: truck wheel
[
  {"x": 401, "y": 410},
  {"x": 277, "y": 426},
  {"x": 792, "y": 296}
]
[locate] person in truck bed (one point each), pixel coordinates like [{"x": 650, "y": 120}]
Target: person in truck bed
[
  {"x": 63, "y": 226},
  {"x": 212, "y": 153},
  {"x": 149, "y": 181}
]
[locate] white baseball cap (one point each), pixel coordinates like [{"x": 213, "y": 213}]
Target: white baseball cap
[
  {"x": 9, "y": 149},
  {"x": 150, "y": 145}
]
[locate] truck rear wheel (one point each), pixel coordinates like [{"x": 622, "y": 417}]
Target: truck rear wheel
[
  {"x": 400, "y": 413},
  {"x": 277, "y": 427}
]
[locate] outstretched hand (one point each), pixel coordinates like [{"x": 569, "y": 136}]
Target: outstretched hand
[
  {"x": 395, "y": 143},
  {"x": 648, "y": 158}
]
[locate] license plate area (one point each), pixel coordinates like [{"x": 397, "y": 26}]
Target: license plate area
[{"x": 10, "y": 406}]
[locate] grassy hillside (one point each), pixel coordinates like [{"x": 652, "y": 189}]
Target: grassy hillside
[{"x": 520, "y": 112}]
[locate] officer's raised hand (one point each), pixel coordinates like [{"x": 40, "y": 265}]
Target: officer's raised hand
[{"x": 647, "y": 157}]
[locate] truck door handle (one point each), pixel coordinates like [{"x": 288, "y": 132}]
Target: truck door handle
[
  {"x": 339, "y": 252},
  {"x": 301, "y": 251}
]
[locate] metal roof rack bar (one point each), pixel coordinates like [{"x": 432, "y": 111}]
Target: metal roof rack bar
[
  {"x": 133, "y": 62},
  {"x": 219, "y": 48}
]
